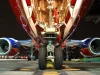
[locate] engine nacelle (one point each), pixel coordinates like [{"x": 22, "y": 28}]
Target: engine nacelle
[
  {"x": 91, "y": 47},
  {"x": 9, "y": 46}
]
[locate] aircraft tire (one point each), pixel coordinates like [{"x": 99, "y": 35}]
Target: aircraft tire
[
  {"x": 42, "y": 60},
  {"x": 29, "y": 59},
  {"x": 69, "y": 59},
  {"x": 58, "y": 61}
]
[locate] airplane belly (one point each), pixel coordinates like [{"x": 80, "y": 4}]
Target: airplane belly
[
  {"x": 42, "y": 18},
  {"x": 22, "y": 18},
  {"x": 83, "y": 11}
]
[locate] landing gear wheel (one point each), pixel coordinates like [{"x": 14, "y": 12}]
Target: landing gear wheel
[
  {"x": 29, "y": 59},
  {"x": 69, "y": 58},
  {"x": 42, "y": 60},
  {"x": 58, "y": 61}
]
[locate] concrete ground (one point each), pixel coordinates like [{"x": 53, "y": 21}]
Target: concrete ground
[{"x": 24, "y": 67}]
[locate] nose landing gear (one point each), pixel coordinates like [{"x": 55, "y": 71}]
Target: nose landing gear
[{"x": 58, "y": 57}]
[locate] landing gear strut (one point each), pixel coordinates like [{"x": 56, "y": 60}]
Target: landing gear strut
[{"x": 49, "y": 52}]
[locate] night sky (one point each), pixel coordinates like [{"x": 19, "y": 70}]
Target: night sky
[{"x": 9, "y": 27}]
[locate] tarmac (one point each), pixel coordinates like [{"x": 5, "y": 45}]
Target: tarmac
[{"x": 24, "y": 67}]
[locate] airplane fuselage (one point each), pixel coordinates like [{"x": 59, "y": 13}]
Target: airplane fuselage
[{"x": 57, "y": 17}]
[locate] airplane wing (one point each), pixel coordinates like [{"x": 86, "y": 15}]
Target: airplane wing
[
  {"x": 27, "y": 43},
  {"x": 71, "y": 43}
]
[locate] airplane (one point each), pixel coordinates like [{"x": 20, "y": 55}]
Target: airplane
[{"x": 50, "y": 23}]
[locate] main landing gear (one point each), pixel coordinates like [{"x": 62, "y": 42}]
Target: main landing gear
[{"x": 48, "y": 53}]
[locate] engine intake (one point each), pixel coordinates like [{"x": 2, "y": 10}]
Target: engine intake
[
  {"x": 91, "y": 47},
  {"x": 94, "y": 46},
  {"x": 8, "y": 46}
]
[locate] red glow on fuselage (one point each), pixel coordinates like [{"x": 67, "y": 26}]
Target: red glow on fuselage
[
  {"x": 28, "y": 2},
  {"x": 73, "y": 2},
  {"x": 67, "y": 17}
]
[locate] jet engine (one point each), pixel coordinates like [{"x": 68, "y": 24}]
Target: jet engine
[
  {"x": 91, "y": 47},
  {"x": 9, "y": 46}
]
